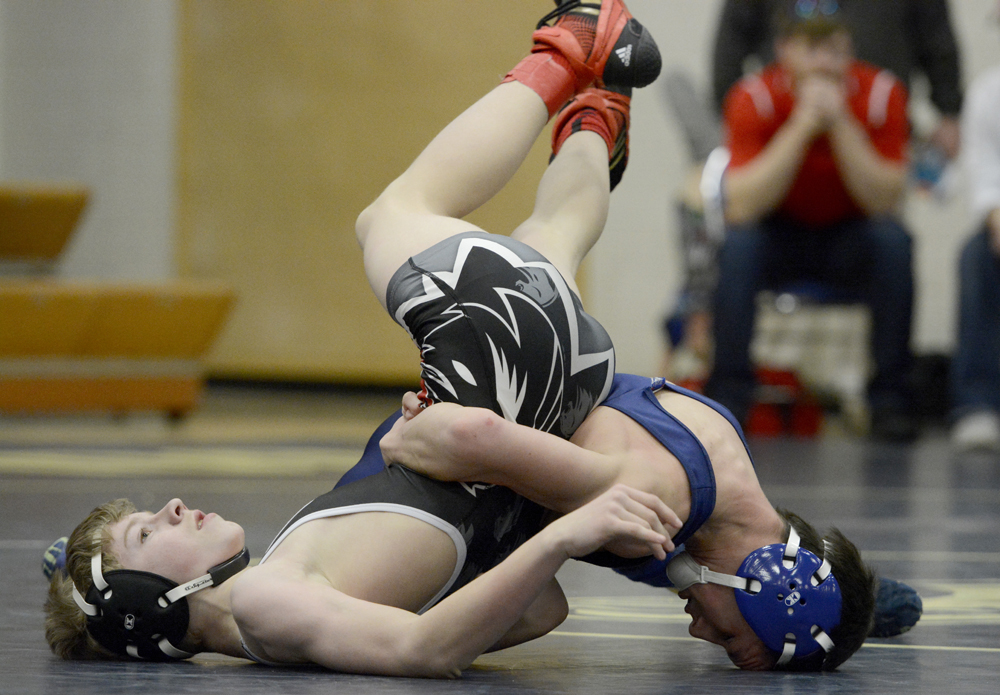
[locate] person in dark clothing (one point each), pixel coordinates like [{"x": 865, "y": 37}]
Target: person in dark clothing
[{"x": 907, "y": 37}]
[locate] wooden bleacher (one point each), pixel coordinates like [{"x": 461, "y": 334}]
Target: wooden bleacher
[{"x": 70, "y": 346}]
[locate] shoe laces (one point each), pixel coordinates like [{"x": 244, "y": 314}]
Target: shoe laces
[{"x": 562, "y": 9}]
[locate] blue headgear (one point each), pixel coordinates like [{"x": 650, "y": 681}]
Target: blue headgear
[
  {"x": 141, "y": 614},
  {"x": 787, "y": 595}
]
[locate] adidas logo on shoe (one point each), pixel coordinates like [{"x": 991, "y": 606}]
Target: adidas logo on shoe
[
  {"x": 638, "y": 61},
  {"x": 625, "y": 54}
]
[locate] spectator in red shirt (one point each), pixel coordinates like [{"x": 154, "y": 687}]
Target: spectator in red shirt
[{"x": 818, "y": 143}]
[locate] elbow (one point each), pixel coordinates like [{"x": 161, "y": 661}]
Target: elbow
[
  {"x": 474, "y": 430},
  {"x": 884, "y": 204},
  {"x": 743, "y": 203},
  {"x": 445, "y": 667},
  {"x": 427, "y": 658},
  {"x": 894, "y": 194},
  {"x": 884, "y": 195},
  {"x": 552, "y": 616},
  {"x": 736, "y": 216},
  {"x": 877, "y": 208},
  {"x": 434, "y": 666},
  {"x": 547, "y": 613},
  {"x": 740, "y": 213}
]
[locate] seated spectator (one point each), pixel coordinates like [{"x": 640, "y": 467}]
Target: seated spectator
[
  {"x": 818, "y": 143},
  {"x": 912, "y": 39}
]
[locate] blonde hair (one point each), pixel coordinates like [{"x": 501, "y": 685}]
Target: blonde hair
[{"x": 65, "y": 624}]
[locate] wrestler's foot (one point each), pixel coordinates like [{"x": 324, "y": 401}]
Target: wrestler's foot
[
  {"x": 897, "y": 608},
  {"x": 600, "y": 111},
  {"x": 603, "y": 44}
]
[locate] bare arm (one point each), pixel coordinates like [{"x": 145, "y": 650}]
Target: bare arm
[
  {"x": 453, "y": 442},
  {"x": 757, "y": 188},
  {"x": 547, "y": 612},
  {"x": 874, "y": 182},
  {"x": 300, "y": 620}
]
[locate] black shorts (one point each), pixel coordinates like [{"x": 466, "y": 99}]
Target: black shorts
[{"x": 498, "y": 328}]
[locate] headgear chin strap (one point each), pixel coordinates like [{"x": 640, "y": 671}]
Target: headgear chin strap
[
  {"x": 787, "y": 595},
  {"x": 141, "y": 614}
]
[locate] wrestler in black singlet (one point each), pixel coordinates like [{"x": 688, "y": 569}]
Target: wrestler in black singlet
[{"x": 498, "y": 328}]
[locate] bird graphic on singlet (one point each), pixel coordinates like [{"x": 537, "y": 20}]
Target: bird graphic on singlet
[{"x": 498, "y": 327}]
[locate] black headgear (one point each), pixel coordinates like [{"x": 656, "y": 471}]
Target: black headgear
[{"x": 141, "y": 614}]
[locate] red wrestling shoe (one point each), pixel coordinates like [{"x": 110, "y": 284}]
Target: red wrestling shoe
[
  {"x": 600, "y": 111},
  {"x": 602, "y": 43}
]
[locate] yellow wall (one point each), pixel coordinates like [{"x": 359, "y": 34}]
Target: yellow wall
[{"x": 292, "y": 118}]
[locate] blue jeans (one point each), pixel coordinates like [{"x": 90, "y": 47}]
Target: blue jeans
[
  {"x": 975, "y": 383},
  {"x": 870, "y": 259}
]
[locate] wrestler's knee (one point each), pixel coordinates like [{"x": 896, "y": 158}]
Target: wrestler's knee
[
  {"x": 363, "y": 224},
  {"x": 384, "y": 213}
]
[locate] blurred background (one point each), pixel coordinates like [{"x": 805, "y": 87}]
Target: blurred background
[{"x": 237, "y": 142}]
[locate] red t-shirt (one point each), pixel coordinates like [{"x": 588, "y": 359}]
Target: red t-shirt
[{"x": 759, "y": 104}]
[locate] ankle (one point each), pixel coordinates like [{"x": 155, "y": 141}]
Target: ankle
[
  {"x": 597, "y": 110},
  {"x": 548, "y": 74}
]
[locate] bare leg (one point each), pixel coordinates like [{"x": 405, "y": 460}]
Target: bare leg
[
  {"x": 590, "y": 137},
  {"x": 571, "y": 206},
  {"x": 475, "y": 155},
  {"x": 462, "y": 168}
]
